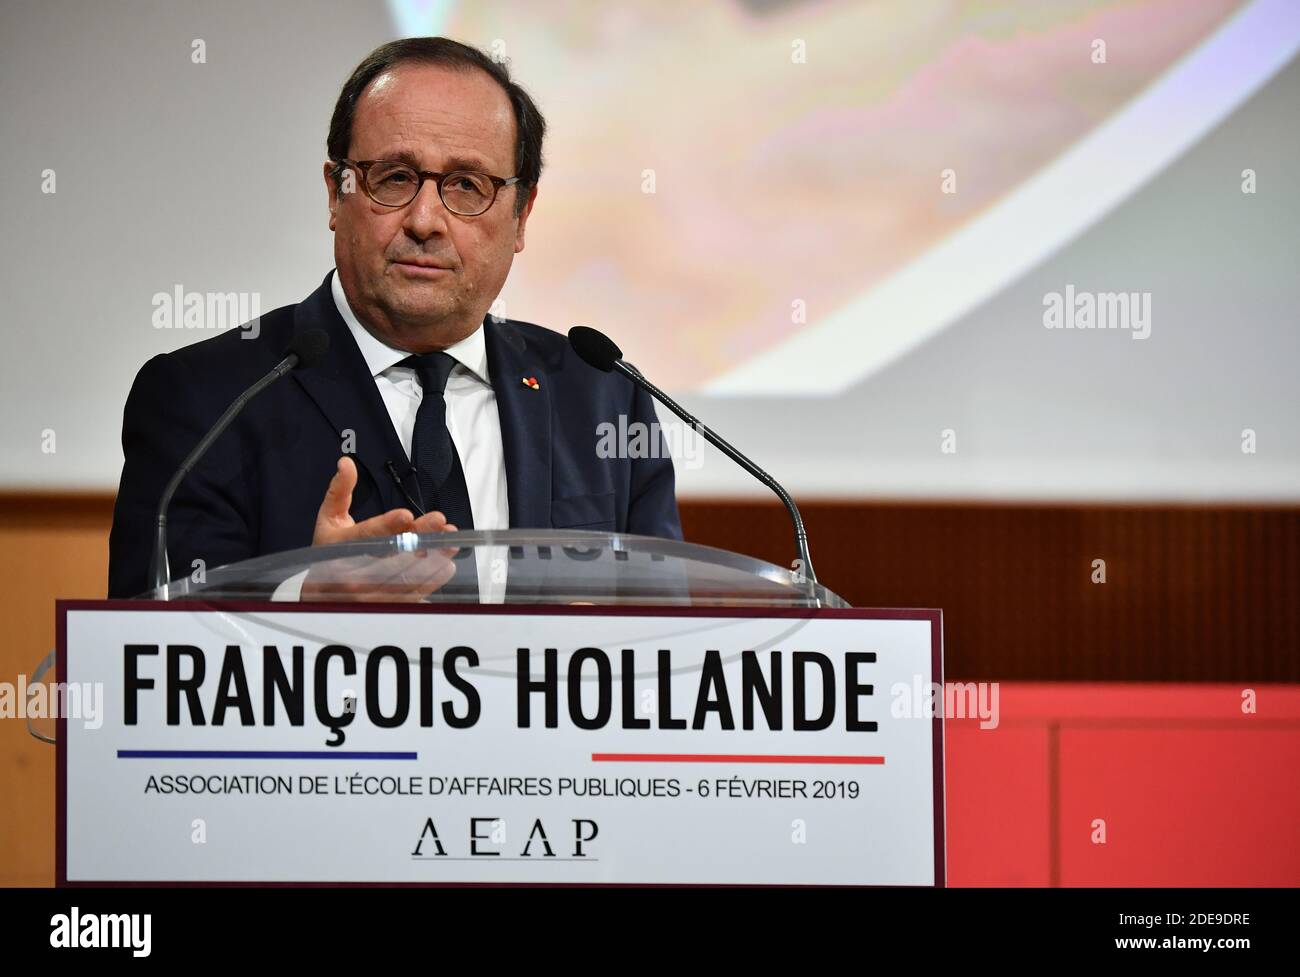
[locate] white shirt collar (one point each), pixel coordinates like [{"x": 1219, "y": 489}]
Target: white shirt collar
[{"x": 470, "y": 352}]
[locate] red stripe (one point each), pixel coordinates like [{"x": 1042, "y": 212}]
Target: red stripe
[{"x": 728, "y": 758}]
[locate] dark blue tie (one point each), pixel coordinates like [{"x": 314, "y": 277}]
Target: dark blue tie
[{"x": 438, "y": 471}]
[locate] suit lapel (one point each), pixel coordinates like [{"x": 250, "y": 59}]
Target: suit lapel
[
  {"x": 345, "y": 392},
  {"x": 525, "y": 415}
]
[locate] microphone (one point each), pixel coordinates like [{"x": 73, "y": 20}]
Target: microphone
[
  {"x": 306, "y": 350},
  {"x": 598, "y": 350}
]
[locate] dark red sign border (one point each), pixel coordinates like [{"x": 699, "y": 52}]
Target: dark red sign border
[{"x": 934, "y": 616}]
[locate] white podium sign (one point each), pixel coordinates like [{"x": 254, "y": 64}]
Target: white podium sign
[{"x": 266, "y": 743}]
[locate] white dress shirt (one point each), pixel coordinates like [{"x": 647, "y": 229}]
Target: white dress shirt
[
  {"x": 472, "y": 415},
  {"x": 472, "y": 420}
]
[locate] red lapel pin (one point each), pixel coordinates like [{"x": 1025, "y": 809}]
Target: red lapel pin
[{"x": 532, "y": 382}]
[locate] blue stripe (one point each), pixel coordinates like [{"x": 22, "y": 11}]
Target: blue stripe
[{"x": 261, "y": 755}]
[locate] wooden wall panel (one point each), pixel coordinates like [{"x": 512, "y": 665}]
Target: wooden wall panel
[
  {"x": 49, "y": 547},
  {"x": 1192, "y": 594}
]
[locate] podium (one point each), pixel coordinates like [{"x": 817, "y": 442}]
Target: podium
[
  {"x": 517, "y": 566},
  {"x": 524, "y": 707}
]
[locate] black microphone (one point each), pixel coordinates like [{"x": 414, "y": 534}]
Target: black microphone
[
  {"x": 306, "y": 350},
  {"x": 599, "y": 350}
]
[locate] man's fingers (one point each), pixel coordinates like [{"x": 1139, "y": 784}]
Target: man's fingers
[
  {"x": 334, "y": 523},
  {"x": 391, "y": 523},
  {"x": 430, "y": 522},
  {"x": 397, "y": 576},
  {"x": 444, "y": 573},
  {"x": 338, "y": 494}
]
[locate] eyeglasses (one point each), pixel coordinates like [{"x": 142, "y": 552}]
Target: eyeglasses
[{"x": 393, "y": 184}]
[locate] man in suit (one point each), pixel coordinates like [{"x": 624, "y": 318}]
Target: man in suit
[{"x": 426, "y": 413}]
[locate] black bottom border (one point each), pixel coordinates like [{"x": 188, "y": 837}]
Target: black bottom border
[{"x": 600, "y": 927}]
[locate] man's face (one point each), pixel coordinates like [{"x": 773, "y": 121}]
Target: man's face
[{"x": 437, "y": 120}]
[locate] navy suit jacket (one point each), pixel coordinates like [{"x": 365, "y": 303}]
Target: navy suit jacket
[{"x": 259, "y": 487}]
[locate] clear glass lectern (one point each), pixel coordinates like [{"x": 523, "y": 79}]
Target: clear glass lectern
[{"x": 517, "y": 566}]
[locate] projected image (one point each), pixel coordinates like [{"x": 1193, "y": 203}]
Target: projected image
[{"x": 717, "y": 193}]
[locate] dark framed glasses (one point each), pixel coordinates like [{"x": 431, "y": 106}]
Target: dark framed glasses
[{"x": 393, "y": 184}]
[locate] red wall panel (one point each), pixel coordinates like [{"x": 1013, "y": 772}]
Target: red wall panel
[{"x": 1193, "y": 790}]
